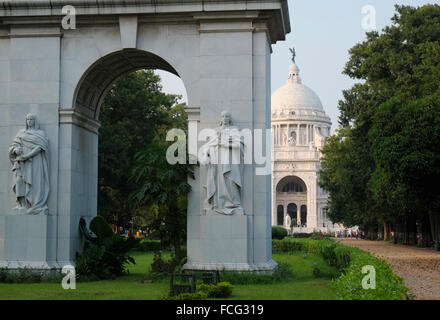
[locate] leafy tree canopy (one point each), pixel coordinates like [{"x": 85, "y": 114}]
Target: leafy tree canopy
[
  {"x": 380, "y": 164},
  {"x": 133, "y": 114}
]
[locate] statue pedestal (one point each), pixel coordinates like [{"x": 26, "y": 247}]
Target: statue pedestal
[
  {"x": 25, "y": 242},
  {"x": 224, "y": 243},
  {"x": 18, "y": 211}
]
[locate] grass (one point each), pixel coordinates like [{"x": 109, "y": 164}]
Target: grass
[{"x": 304, "y": 285}]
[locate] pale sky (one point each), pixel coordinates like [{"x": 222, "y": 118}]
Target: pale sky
[{"x": 322, "y": 33}]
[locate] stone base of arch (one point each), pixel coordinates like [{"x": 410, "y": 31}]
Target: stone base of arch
[
  {"x": 227, "y": 243},
  {"x": 26, "y": 243},
  {"x": 267, "y": 268}
]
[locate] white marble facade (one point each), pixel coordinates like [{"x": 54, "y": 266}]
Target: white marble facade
[
  {"x": 221, "y": 51},
  {"x": 300, "y": 126}
]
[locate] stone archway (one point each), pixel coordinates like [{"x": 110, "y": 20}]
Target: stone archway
[
  {"x": 80, "y": 125},
  {"x": 97, "y": 80},
  {"x": 220, "y": 50}
]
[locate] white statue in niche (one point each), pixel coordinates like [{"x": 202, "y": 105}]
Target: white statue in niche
[
  {"x": 288, "y": 221},
  {"x": 285, "y": 139},
  {"x": 29, "y": 156},
  {"x": 224, "y": 180},
  {"x": 292, "y": 139}
]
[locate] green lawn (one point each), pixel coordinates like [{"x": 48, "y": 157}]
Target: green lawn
[{"x": 303, "y": 286}]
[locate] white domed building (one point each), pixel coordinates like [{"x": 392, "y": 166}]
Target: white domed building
[{"x": 300, "y": 126}]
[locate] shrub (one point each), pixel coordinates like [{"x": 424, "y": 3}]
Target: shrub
[
  {"x": 286, "y": 245},
  {"x": 160, "y": 266},
  {"x": 301, "y": 235},
  {"x": 349, "y": 285},
  {"x": 314, "y": 235},
  {"x": 283, "y": 273},
  {"x": 343, "y": 257},
  {"x": 316, "y": 272},
  {"x": 349, "y": 261},
  {"x": 88, "y": 265},
  {"x": 27, "y": 275},
  {"x": 204, "y": 291},
  {"x": 147, "y": 245},
  {"x": 100, "y": 227},
  {"x": 186, "y": 296},
  {"x": 220, "y": 290},
  {"x": 105, "y": 256},
  {"x": 278, "y": 233},
  {"x": 205, "y": 287}
]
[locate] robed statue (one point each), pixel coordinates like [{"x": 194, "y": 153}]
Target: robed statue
[
  {"x": 223, "y": 156},
  {"x": 29, "y": 156},
  {"x": 288, "y": 221}
]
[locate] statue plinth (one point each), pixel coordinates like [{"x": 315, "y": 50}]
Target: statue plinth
[
  {"x": 235, "y": 211},
  {"x": 225, "y": 243},
  {"x": 18, "y": 211},
  {"x": 25, "y": 241}
]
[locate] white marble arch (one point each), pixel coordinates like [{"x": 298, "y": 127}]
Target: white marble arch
[
  {"x": 79, "y": 128},
  {"x": 221, "y": 51}
]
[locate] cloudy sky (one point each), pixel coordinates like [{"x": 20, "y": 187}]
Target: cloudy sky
[{"x": 322, "y": 32}]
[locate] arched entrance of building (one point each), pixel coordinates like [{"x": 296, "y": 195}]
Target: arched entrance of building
[{"x": 291, "y": 192}]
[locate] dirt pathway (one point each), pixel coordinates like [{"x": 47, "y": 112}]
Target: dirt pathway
[{"x": 420, "y": 268}]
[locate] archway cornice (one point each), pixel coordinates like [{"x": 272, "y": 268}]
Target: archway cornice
[{"x": 275, "y": 12}]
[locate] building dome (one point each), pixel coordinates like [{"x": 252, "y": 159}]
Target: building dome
[
  {"x": 295, "y": 95},
  {"x": 299, "y": 131}
]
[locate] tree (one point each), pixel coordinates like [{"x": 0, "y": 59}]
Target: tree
[
  {"x": 406, "y": 150},
  {"x": 344, "y": 173},
  {"x": 365, "y": 172},
  {"x": 164, "y": 188},
  {"x": 133, "y": 112}
]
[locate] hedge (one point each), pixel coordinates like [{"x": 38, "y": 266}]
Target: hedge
[
  {"x": 278, "y": 233},
  {"x": 350, "y": 261},
  {"x": 146, "y": 245}
]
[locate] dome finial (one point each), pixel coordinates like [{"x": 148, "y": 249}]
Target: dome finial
[
  {"x": 293, "y": 69},
  {"x": 293, "y": 51}
]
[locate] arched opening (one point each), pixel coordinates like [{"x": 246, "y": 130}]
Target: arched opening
[
  {"x": 280, "y": 215},
  {"x": 291, "y": 184},
  {"x": 304, "y": 215},
  {"x": 292, "y": 190},
  {"x": 99, "y": 82},
  {"x": 292, "y": 211}
]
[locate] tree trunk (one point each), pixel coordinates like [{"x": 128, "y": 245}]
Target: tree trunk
[
  {"x": 177, "y": 249},
  {"x": 419, "y": 232},
  {"x": 426, "y": 232},
  {"x": 380, "y": 232},
  {"x": 386, "y": 231},
  {"x": 412, "y": 230},
  {"x": 406, "y": 230}
]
